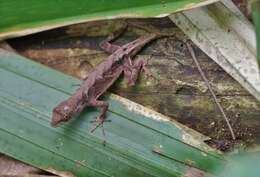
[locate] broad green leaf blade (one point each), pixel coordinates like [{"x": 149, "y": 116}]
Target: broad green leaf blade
[
  {"x": 21, "y": 17},
  {"x": 138, "y": 143},
  {"x": 226, "y": 36},
  {"x": 256, "y": 16}
]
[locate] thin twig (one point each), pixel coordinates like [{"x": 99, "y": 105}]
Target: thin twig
[{"x": 210, "y": 88}]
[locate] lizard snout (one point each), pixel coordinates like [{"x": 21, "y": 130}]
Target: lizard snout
[{"x": 56, "y": 119}]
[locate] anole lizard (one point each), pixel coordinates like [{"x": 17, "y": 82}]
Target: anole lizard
[{"x": 103, "y": 76}]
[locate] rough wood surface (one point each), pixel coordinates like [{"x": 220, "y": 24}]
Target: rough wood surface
[{"x": 178, "y": 91}]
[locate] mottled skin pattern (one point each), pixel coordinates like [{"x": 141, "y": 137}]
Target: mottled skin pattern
[{"x": 102, "y": 77}]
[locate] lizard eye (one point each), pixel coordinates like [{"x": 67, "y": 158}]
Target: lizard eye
[{"x": 66, "y": 117}]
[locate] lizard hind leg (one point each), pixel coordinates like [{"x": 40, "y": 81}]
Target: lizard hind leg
[
  {"x": 106, "y": 44},
  {"x": 101, "y": 118},
  {"x": 132, "y": 71}
]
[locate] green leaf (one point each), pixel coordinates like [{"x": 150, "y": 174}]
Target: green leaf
[
  {"x": 138, "y": 143},
  {"x": 21, "y": 17}
]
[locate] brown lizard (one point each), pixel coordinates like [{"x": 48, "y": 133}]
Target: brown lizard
[{"x": 103, "y": 76}]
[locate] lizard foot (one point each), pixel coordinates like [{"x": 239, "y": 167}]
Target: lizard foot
[
  {"x": 148, "y": 73},
  {"x": 99, "y": 123},
  {"x": 146, "y": 70}
]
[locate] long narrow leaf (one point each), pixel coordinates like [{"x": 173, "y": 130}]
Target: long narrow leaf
[
  {"x": 21, "y": 17},
  {"x": 138, "y": 143}
]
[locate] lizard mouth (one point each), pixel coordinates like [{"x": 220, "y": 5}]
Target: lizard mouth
[
  {"x": 54, "y": 125},
  {"x": 56, "y": 119}
]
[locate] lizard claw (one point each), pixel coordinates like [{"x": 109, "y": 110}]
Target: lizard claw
[{"x": 100, "y": 121}]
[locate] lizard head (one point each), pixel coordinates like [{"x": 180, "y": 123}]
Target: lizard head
[{"x": 61, "y": 113}]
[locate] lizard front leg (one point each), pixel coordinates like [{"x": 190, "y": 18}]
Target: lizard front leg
[{"x": 101, "y": 118}]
